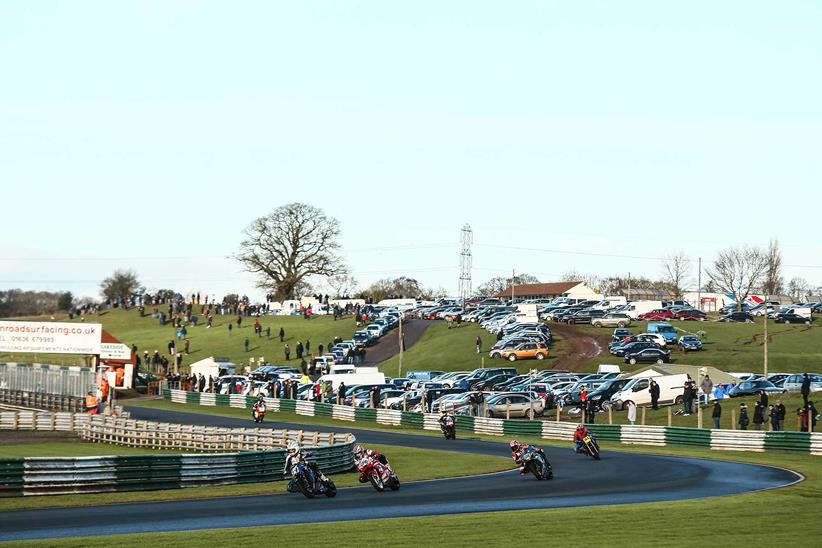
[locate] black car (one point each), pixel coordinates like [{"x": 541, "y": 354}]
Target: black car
[
  {"x": 791, "y": 318},
  {"x": 632, "y": 348},
  {"x": 745, "y": 317},
  {"x": 607, "y": 389},
  {"x": 584, "y": 316},
  {"x": 620, "y": 334},
  {"x": 751, "y": 388},
  {"x": 648, "y": 355}
]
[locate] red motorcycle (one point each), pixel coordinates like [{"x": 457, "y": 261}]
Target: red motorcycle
[
  {"x": 258, "y": 412},
  {"x": 378, "y": 472}
]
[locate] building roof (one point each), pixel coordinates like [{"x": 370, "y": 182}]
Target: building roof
[{"x": 538, "y": 290}]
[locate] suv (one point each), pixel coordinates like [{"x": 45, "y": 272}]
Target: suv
[
  {"x": 612, "y": 320},
  {"x": 525, "y": 351}
]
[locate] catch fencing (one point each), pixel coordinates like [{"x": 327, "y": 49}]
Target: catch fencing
[
  {"x": 39, "y": 400},
  {"x": 47, "y": 379},
  {"x": 257, "y": 455},
  {"x": 728, "y": 440}
]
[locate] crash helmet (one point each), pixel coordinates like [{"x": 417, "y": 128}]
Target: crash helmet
[
  {"x": 358, "y": 451},
  {"x": 580, "y": 426},
  {"x": 293, "y": 447},
  {"x": 514, "y": 445}
]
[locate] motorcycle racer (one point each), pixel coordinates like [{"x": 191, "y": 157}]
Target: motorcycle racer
[
  {"x": 579, "y": 435},
  {"x": 516, "y": 453}
]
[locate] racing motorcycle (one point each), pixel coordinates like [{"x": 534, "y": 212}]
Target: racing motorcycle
[
  {"x": 533, "y": 461},
  {"x": 258, "y": 412},
  {"x": 378, "y": 472},
  {"x": 590, "y": 446},
  {"x": 448, "y": 425},
  {"x": 306, "y": 478}
]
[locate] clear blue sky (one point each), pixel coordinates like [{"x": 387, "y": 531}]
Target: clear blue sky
[{"x": 136, "y": 130}]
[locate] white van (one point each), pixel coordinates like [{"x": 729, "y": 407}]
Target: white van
[
  {"x": 804, "y": 311},
  {"x": 352, "y": 375},
  {"x": 635, "y": 308},
  {"x": 637, "y": 390}
]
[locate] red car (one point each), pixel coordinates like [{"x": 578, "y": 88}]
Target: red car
[
  {"x": 658, "y": 314},
  {"x": 697, "y": 315}
]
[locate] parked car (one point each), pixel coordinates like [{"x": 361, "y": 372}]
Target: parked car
[
  {"x": 788, "y": 317},
  {"x": 691, "y": 314},
  {"x": 648, "y": 355},
  {"x": 745, "y": 317},
  {"x": 657, "y": 314},
  {"x": 633, "y": 347},
  {"x": 533, "y": 350},
  {"x": 794, "y": 383},
  {"x": 513, "y": 405},
  {"x": 750, "y": 388},
  {"x": 620, "y": 335},
  {"x": 612, "y": 320},
  {"x": 689, "y": 343}
]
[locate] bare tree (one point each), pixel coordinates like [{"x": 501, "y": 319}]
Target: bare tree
[
  {"x": 498, "y": 284},
  {"x": 737, "y": 270},
  {"x": 342, "y": 284},
  {"x": 675, "y": 271},
  {"x": 773, "y": 283},
  {"x": 120, "y": 285},
  {"x": 591, "y": 280},
  {"x": 288, "y": 245},
  {"x": 798, "y": 289}
]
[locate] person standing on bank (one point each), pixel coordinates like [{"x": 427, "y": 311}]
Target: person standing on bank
[
  {"x": 743, "y": 417},
  {"x": 758, "y": 417},
  {"x": 717, "y": 414},
  {"x": 654, "y": 390},
  {"x": 282, "y": 334}
]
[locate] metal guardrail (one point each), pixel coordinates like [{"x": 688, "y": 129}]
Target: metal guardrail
[
  {"x": 41, "y": 400},
  {"x": 731, "y": 440},
  {"x": 54, "y": 476},
  {"x": 47, "y": 379}
]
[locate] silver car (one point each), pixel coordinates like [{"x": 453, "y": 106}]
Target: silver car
[
  {"x": 612, "y": 320},
  {"x": 794, "y": 383}
]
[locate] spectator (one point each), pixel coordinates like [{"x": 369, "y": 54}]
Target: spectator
[
  {"x": 773, "y": 415},
  {"x": 299, "y": 350},
  {"x": 763, "y": 400},
  {"x": 592, "y": 411},
  {"x": 654, "y": 390},
  {"x": 780, "y": 414},
  {"x": 320, "y": 349},
  {"x": 707, "y": 387},
  {"x": 805, "y": 390},
  {"x": 758, "y": 417},
  {"x": 282, "y": 334},
  {"x": 303, "y": 365},
  {"x": 716, "y": 415},
  {"x": 308, "y": 346},
  {"x": 479, "y": 344},
  {"x": 287, "y": 351},
  {"x": 631, "y": 412},
  {"x": 230, "y": 327},
  {"x": 245, "y": 344},
  {"x": 376, "y": 396},
  {"x": 187, "y": 345},
  {"x": 341, "y": 394},
  {"x": 268, "y": 332},
  {"x": 688, "y": 398},
  {"x": 743, "y": 416}
]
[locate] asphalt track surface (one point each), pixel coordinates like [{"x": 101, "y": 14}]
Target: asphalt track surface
[
  {"x": 389, "y": 345},
  {"x": 619, "y": 478}
]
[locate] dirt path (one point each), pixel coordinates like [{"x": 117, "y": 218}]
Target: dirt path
[
  {"x": 388, "y": 346},
  {"x": 582, "y": 347}
]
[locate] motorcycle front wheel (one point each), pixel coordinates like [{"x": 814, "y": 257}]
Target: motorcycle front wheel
[
  {"x": 330, "y": 488},
  {"x": 395, "y": 483},
  {"x": 305, "y": 487},
  {"x": 376, "y": 482}
]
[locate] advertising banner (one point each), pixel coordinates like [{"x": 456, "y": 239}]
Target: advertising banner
[
  {"x": 50, "y": 337},
  {"x": 115, "y": 351}
]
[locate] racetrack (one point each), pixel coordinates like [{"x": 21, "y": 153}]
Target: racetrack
[{"x": 619, "y": 478}]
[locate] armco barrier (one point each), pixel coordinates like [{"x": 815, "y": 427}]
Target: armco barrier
[
  {"x": 40, "y": 400},
  {"x": 730, "y": 440},
  {"x": 40, "y": 476}
]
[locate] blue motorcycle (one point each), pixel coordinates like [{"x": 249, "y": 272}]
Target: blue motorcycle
[{"x": 310, "y": 481}]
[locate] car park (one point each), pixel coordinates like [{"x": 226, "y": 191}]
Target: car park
[
  {"x": 632, "y": 347},
  {"x": 657, "y": 314},
  {"x": 620, "y": 334}
]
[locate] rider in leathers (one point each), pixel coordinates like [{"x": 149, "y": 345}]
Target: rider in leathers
[
  {"x": 579, "y": 435},
  {"x": 516, "y": 453}
]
